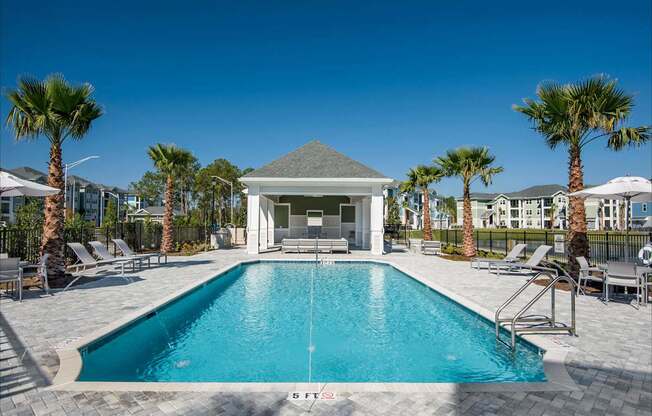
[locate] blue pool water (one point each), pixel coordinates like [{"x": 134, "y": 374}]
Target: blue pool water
[{"x": 366, "y": 322}]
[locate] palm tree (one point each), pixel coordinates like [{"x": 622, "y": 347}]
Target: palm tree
[
  {"x": 420, "y": 178},
  {"x": 575, "y": 115},
  {"x": 57, "y": 110},
  {"x": 170, "y": 161},
  {"x": 469, "y": 164}
]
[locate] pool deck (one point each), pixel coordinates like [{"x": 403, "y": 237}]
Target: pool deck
[{"x": 610, "y": 361}]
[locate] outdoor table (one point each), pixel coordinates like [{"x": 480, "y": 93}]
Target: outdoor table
[{"x": 643, "y": 272}]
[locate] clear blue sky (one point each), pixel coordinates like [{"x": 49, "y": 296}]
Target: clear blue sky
[{"x": 392, "y": 84}]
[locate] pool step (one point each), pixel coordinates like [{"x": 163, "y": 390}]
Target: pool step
[{"x": 532, "y": 324}]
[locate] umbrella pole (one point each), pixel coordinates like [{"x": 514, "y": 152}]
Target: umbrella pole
[{"x": 627, "y": 219}]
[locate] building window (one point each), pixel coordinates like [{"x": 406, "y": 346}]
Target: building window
[
  {"x": 643, "y": 207},
  {"x": 513, "y": 203},
  {"x": 528, "y": 212}
]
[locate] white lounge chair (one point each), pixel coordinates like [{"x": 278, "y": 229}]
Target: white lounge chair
[
  {"x": 430, "y": 247},
  {"x": 511, "y": 257},
  {"x": 531, "y": 265},
  {"x": 86, "y": 261},
  {"x": 585, "y": 274},
  {"x": 623, "y": 275},
  {"x": 127, "y": 252},
  {"x": 102, "y": 252},
  {"x": 11, "y": 272}
]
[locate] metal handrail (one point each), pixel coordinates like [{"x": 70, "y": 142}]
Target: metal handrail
[
  {"x": 552, "y": 321},
  {"x": 511, "y": 298}
]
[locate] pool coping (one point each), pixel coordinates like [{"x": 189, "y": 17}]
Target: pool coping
[{"x": 70, "y": 359}]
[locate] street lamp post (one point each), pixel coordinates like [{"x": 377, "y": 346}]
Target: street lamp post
[
  {"x": 65, "y": 179},
  {"x": 231, "y": 185},
  {"x": 214, "y": 183},
  {"x": 117, "y": 197}
]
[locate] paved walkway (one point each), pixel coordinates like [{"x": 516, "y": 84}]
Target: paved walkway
[{"x": 610, "y": 360}]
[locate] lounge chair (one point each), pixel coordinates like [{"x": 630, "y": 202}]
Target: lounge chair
[
  {"x": 585, "y": 274},
  {"x": 623, "y": 275},
  {"x": 430, "y": 247},
  {"x": 531, "y": 265},
  {"x": 511, "y": 257},
  {"x": 102, "y": 252},
  {"x": 85, "y": 261},
  {"x": 11, "y": 272},
  {"x": 127, "y": 252}
]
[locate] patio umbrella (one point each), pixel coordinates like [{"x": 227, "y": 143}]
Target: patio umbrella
[
  {"x": 11, "y": 185},
  {"x": 627, "y": 188}
]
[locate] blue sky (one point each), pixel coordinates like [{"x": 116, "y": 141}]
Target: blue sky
[{"x": 392, "y": 84}]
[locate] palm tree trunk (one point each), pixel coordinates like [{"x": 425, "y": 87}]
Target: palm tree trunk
[
  {"x": 427, "y": 228},
  {"x": 578, "y": 245},
  {"x": 469, "y": 245},
  {"x": 166, "y": 244},
  {"x": 52, "y": 239}
]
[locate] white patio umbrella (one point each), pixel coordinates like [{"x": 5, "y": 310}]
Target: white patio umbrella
[
  {"x": 627, "y": 188},
  {"x": 11, "y": 185}
]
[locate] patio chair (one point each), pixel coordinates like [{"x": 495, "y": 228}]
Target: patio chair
[
  {"x": 127, "y": 252},
  {"x": 11, "y": 272},
  {"x": 41, "y": 271},
  {"x": 623, "y": 275},
  {"x": 102, "y": 252},
  {"x": 585, "y": 274},
  {"x": 531, "y": 265},
  {"x": 341, "y": 245},
  {"x": 430, "y": 247},
  {"x": 511, "y": 257}
]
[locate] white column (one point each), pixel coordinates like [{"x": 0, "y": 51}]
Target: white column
[
  {"x": 358, "y": 223},
  {"x": 264, "y": 202},
  {"x": 366, "y": 213},
  {"x": 253, "y": 219},
  {"x": 376, "y": 220},
  {"x": 270, "y": 223}
]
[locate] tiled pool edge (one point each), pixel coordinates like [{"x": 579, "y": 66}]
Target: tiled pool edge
[{"x": 70, "y": 360}]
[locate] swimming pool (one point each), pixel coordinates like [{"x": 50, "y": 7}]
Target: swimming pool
[{"x": 304, "y": 322}]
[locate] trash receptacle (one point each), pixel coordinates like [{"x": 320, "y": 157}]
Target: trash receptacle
[{"x": 221, "y": 239}]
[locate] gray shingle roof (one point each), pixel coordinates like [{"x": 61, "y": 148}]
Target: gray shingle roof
[
  {"x": 537, "y": 191},
  {"x": 314, "y": 160},
  {"x": 156, "y": 210}
]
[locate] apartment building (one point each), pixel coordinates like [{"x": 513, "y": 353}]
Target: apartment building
[
  {"x": 83, "y": 197},
  {"x": 411, "y": 207},
  {"x": 542, "y": 207}
]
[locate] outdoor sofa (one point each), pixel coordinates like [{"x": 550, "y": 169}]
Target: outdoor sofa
[{"x": 308, "y": 245}]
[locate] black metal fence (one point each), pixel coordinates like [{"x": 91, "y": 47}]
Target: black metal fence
[
  {"x": 26, "y": 243},
  {"x": 604, "y": 246}
]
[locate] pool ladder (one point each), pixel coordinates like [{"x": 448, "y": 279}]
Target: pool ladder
[{"x": 536, "y": 324}]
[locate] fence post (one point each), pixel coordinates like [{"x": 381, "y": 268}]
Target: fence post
[
  {"x": 477, "y": 240},
  {"x": 491, "y": 243},
  {"x": 606, "y": 240},
  {"x": 506, "y": 249},
  {"x": 525, "y": 241}
]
